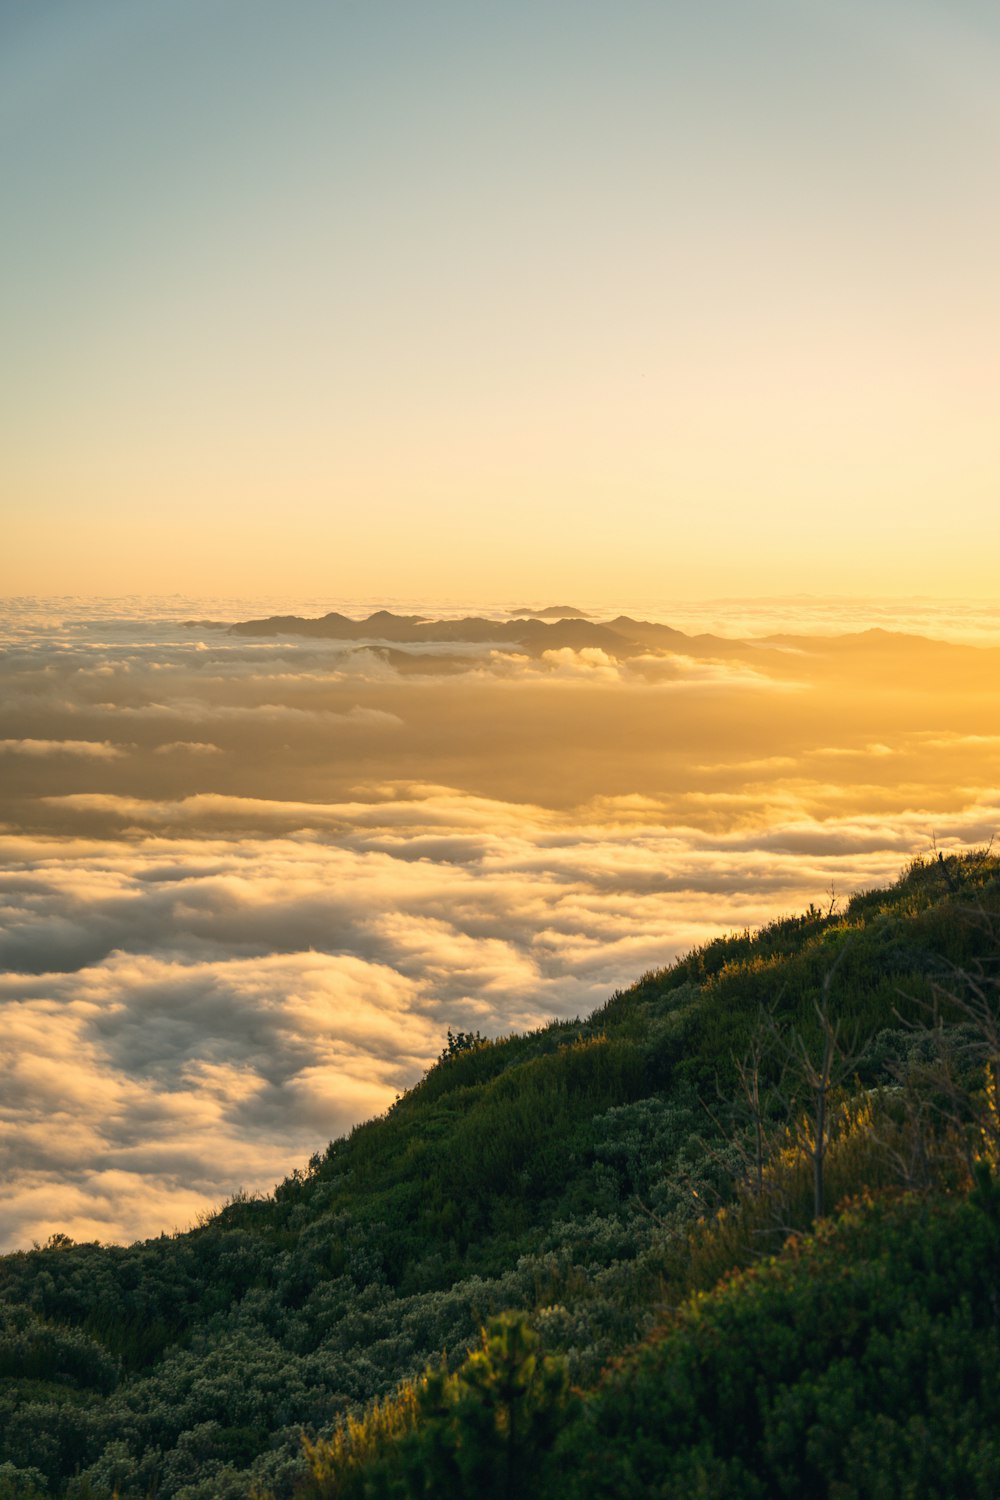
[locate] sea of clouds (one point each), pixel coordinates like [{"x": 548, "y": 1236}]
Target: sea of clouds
[{"x": 248, "y": 885}]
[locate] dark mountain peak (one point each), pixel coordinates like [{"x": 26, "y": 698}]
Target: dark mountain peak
[
  {"x": 624, "y": 623},
  {"x": 545, "y": 635},
  {"x": 386, "y": 617},
  {"x": 654, "y": 636},
  {"x": 277, "y": 625},
  {"x": 551, "y": 612}
]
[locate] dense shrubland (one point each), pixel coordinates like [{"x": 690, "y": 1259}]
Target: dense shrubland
[
  {"x": 859, "y": 1362},
  {"x": 570, "y": 1192}
]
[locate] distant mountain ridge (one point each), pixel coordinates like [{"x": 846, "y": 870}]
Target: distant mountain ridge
[
  {"x": 620, "y": 637},
  {"x": 556, "y": 628}
]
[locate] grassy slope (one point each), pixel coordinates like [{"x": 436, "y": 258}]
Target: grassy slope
[{"x": 559, "y": 1171}]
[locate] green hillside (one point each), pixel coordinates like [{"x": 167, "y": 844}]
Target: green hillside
[{"x": 602, "y": 1178}]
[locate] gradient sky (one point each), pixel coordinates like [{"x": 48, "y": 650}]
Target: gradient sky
[{"x": 608, "y": 298}]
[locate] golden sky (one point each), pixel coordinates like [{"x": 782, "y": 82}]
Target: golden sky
[{"x": 568, "y": 299}]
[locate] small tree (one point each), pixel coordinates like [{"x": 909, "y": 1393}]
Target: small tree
[
  {"x": 478, "y": 1434},
  {"x": 461, "y": 1041},
  {"x": 483, "y": 1431},
  {"x": 819, "y": 1072},
  {"x": 746, "y": 1122},
  {"x": 810, "y": 1075}
]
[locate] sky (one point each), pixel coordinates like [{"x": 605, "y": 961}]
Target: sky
[{"x": 564, "y": 298}]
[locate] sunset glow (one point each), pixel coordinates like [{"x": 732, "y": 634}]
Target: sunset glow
[{"x": 561, "y": 300}]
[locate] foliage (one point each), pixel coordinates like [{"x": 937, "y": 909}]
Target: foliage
[
  {"x": 573, "y": 1174},
  {"x": 482, "y": 1432},
  {"x": 859, "y": 1363}
]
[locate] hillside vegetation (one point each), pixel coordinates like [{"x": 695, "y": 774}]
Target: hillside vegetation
[{"x": 737, "y": 1233}]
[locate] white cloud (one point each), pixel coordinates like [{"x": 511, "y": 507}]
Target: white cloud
[
  {"x": 89, "y": 749},
  {"x": 589, "y": 663},
  {"x": 875, "y": 748},
  {"x": 188, "y": 747}
]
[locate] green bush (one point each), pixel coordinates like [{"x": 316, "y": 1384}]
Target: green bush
[
  {"x": 481, "y": 1433},
  {"x": 860, "y": 1363}
]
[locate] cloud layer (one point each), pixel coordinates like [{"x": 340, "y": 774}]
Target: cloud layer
[{"x": 245, "y": 916}]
